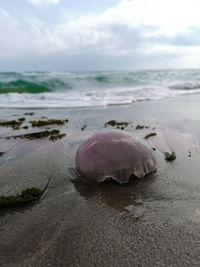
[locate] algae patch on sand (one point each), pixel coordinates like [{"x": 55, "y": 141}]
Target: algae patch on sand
[
  {"x": 119, "y": 125},
  {"x": 150, "y": 135},
  {"x": 15, "y": 124},
  {"x": 84, "y": 127},
  {"x": 41, "y": 123},
  {"x": 53, "y": 135},
  {"x": 12, "y": 123},
  {"x": 21, "y": 119},
  {"x": 26, "y": 196},
  {"x": 170, "y": 157},
  {"x": 29, "y": 114},
  {"x": 140, "y": 127}
]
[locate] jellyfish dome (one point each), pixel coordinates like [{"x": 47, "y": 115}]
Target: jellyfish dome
[{"x": 115, "y": 155}]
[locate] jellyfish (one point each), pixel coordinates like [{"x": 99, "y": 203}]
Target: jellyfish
[{"x": 113, "y": 155}]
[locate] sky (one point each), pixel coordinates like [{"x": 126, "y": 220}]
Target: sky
[{"x": 64, "y": 35}]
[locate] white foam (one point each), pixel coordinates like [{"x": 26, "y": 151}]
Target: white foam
[{"x": 87, "y": 98}]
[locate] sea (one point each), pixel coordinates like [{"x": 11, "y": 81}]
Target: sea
[{"x": 98, "y": 88}]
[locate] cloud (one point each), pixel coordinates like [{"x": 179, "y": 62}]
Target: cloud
[
  {"x": 132, "y": 29},
  {"x": 43, "y": 2}
]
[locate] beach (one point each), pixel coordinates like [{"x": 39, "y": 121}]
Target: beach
[{"x": 149, "y": 222}]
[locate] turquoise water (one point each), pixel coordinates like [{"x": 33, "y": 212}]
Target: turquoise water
[{"x": 71, "y": 89}]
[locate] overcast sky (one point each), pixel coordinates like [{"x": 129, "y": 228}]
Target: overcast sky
[{"x": 62, "y": 35}]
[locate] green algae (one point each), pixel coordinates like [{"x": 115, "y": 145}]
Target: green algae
[
  {"x": 21, "y": 119},
  {"x": 11, "y": 123},
  {"x": 170, "y": 157},
  {"x": 84, "y": 127},
  {"x": 41, "y": 123},
  {"x": 56, "y": 137},
  {"x": 29, "y": 114},
  {"x": 26, "y": 196},
  {"x": 38, "y": 135},
  {"x": 53, "y": 135},
  {"x": 119, "y": 125},
  {"x": 116, "y": 123},
  {"x": 150, "y": 135},
  {"x": 140, "y": 127},
  {"x": 15, "y": 124}
]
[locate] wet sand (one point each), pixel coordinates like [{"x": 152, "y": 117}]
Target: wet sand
[{"x": 154, "y": 221}]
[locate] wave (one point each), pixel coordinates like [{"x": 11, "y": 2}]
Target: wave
[
  {"x": 32, "y": 82},
  {"x": 21, "y": 86},
  {"x": 77, "y": 89},
  {"x": 39, "y": 82},
  {"x": 185, "y": 86},
  {"x": 114, "y": 96}
]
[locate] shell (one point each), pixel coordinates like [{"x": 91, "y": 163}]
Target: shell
[{"x": 113, "y": 155}]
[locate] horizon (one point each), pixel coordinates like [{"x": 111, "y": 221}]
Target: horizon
[{"x": 108, "y": 70}]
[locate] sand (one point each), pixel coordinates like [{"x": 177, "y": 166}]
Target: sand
[{"x": 154, "y": 221}]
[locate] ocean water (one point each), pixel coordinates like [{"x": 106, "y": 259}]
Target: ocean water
[{"x": 85, "y": 89}]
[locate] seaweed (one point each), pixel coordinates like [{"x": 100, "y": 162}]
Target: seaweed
[
  {"x": 29, "y": 114},
  {"x": 27, "y": 195},
  {"x": 140, "y": 127},
  {"x": 21, "y": 119},
  {"x": 53, "y": 135},
  {"x": 40, "y": 123},
  {"x": 149, "y": 135},
  {"x": 37, "y": 135},
  {"x": 119, "y": 125},
  {"x": 56, "y": 137},
  {"x": 15, "y": 124},
  {"x": 115, "y": 123},
  {"x": 83, "y": 128},
  {"x": 170, "y": 157},
  {"x": 25, "y": 127},
  {"x": 11, "y": 123}
]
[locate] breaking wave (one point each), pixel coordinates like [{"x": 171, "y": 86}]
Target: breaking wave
[{"x": 82, "y": 89}]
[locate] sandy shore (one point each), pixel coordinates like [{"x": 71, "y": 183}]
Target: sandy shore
[{"x": 150, "y": 222}]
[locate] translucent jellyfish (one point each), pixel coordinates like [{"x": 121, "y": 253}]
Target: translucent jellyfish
[{"x": 113, "y": 155}]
